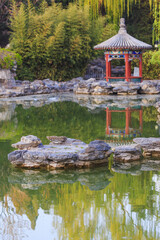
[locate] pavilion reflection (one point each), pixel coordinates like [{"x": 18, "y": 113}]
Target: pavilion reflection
[{"x": 124, "y": 123}]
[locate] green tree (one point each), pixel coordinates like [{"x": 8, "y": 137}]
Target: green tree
[{"x": 55, "y": 42}]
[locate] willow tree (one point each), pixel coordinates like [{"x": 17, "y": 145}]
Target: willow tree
[
  {"x": 115, "y": 8},
  {"x": 155, "y": 5}
]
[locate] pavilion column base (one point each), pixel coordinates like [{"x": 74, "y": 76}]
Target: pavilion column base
[{"x": 123, "y": 79}]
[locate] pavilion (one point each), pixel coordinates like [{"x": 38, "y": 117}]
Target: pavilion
[{"x": 123, "y": 46}]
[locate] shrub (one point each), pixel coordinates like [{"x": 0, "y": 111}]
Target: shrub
[
  {"x": 151, "y": 68},
  {"x": 8, "y": 58}
]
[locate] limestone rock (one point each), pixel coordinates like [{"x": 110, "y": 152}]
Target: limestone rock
[
  {"x": 68, "y": 153},
  {"x": 127, "y": 153},
  {"x": 27, "y": 142},
  {"x": 96, "y": 150},
  {"x": 16, "y": 157},
  {"x": 82, "y": 88},
  {"x": 57, "y": 139},
  {"x": 150, "y": 146},
  {"x": 92, "y": 86},
  {"x": 125, "y": 88},
  {"x": 150, "y": 87},
  {"x": 101, "y": 88},
  {"x": 7, "y": 78}
]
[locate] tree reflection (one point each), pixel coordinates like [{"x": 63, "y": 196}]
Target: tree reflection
[{"x": 115, "y": 211}]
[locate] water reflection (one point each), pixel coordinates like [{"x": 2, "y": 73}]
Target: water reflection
[
  {"x": 121, "y": 126},
  {"x": 94, "y": 179},
  {"x": 85, "y": 204},
  {"x": 120, "y": 203}
]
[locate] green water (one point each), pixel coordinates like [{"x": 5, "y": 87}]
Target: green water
[{"x": 103, "y": 203}]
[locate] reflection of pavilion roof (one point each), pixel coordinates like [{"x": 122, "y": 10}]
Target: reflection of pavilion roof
[{"x": 123, "y": 40}]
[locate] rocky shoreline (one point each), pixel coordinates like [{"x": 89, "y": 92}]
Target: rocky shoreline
[
  {"x": 79, "y": 86},
  {"x": 63, "y": 152}
]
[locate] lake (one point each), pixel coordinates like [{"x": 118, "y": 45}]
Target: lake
[{"x": 111, "y": 202}]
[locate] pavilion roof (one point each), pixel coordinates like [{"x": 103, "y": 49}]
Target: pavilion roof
[{"x": 122, "y": 41}]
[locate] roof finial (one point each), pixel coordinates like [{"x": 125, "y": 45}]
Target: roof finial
[{"x": 122, "y": 26}]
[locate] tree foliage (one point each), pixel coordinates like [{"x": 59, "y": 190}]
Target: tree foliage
[
  {"x": 151, "y": 65},
  {"x": 55, "y": 42}
]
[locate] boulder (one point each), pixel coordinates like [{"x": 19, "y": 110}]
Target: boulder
[
  {"x": 101, "y": 88},
  {"x": 150, "y": 87},
  {"x": 7, "y": 78},
  {"x": 95, "y": 150},
  {"x": 125, "y": 88},
  {"x": 62, "y": 153},
  {"x": 127, "y": 153},
  {"x": 84, "y": 86},
  {"x": 27, "y": 142},
  {"x": 150, "y": 146}
]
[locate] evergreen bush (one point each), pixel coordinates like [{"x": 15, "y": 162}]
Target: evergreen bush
[
  {"x": 151, "y": 67},
  {"x": 9, "y": 58}
]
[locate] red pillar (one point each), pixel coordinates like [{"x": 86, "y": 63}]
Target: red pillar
[
  {"x": 127, "y": 121},
  {"x": 140, "y": 66},
  {"x": 107, "y": 67},
  {"x": 127, "y": 67}
]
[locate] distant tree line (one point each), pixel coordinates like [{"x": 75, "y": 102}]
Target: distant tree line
[{"x": 56, "y": 40}]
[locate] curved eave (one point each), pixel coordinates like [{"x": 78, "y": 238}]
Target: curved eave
[
  {"x": 122, "y": 48},
  {"x": 122, "y": 42}
]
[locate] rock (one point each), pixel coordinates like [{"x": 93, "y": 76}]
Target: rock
[
  {"x": 7, "y": 78},
  {"x": 83, "y": 87},
  {"x": 101, "y": 88},
  {"x": 63, "y": 153},
  {"x": 27, "y": 142},
  {"x": 95, "y": 150},
  {"x": 56, "y": 139},
  {"x": 127, "y": 153},
  {"x": 64, "y": 140},
  {"x": 150, "y": 146},
  {"x": 125, "y": 88},
  {"x": 150, "y": 87},
  {"x": 98, "y": 145},
  {"x": 78, "y": 86},
  {"x": 16, "y": 157}
]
